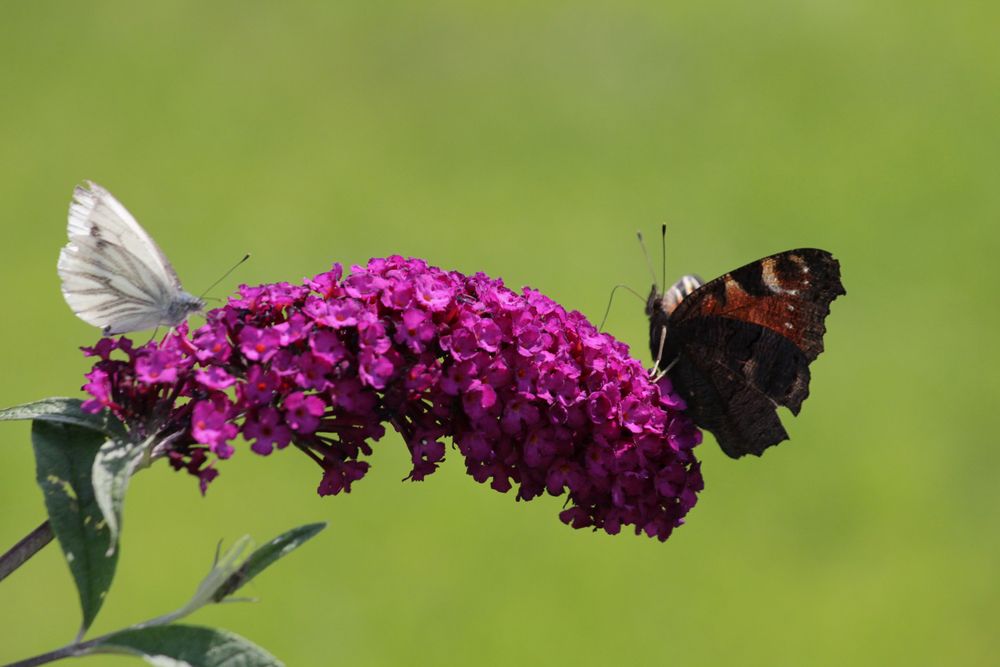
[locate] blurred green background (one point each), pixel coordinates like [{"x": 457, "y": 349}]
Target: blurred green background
[{"x": 530, "y": 140}]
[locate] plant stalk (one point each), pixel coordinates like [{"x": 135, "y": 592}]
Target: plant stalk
[{"x": 31, "y": 544}]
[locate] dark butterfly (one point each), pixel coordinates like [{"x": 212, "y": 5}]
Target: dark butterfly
[{"x": 739, "y": 346}]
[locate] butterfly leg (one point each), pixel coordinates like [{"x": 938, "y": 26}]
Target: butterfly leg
[
  {"x": 659, "y": 352},
  {"x": 661, "y": 374},
  {"x": 153, "y": 337}
]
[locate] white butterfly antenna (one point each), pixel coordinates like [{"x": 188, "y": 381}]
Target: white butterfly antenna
[
  {"x": 611, "y": 298},
  {"x": 225, "y": 275}
]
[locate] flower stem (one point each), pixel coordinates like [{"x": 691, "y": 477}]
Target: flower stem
[
  {"x": 51, "y": 656},
  {"x": 31, "y": 544}
]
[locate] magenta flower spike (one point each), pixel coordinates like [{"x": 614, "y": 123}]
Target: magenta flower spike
[{"x": 533, "y": 397}]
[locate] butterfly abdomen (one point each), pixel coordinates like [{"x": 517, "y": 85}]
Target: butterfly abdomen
[{"x": 678, "y": 291}]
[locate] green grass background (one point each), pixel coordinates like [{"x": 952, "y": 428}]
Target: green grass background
[{"x": 530, "y": 140}]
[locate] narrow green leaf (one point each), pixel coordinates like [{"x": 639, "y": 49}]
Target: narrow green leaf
[
  {"x": 187, "y": 646},
  {"x": 66, "y": 411},
  {"x": 222, "y": 571},
  {"x": 265, "y": 556},
  {"x": 114, "y": 466},
  {"x": 233, "y": 569},
  {"x": 64, "y": 458}
]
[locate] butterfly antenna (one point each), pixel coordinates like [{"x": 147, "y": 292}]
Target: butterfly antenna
[
  {"x": 225, "y": 275},
  {"x": 645, "y": 253},
  {"x": 611, "y": 298},
  {"x": 663, "y": 252}
]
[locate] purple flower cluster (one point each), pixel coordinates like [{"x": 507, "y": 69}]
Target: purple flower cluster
[{"x": 529, "y": 394}]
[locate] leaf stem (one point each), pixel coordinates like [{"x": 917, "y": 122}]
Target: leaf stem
[{"x": 31, "y": 544}]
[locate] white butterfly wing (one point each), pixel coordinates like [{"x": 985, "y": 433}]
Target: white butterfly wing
[{"x": 114, "y": 276}]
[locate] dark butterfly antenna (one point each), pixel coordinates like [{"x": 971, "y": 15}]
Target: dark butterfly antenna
[
  {"x": 663, "y": 252},
  {"x": 225, "y": 275},
  {"x": 645, "y": 253},
  {"x": 612, "y": 297}
]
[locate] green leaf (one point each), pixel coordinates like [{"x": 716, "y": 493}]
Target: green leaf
[
  {"x": 114, "y": 466},
  {"x": 66, "y": 411},
  {"x": 64, "y": 458},
  {"x": 265, "y": 556},
  {"x": 186, "y": 646},
  {"x": 233, "y": 569},
  {"x": 222, "y": 571},
  {"x": 115, "y": 463}
]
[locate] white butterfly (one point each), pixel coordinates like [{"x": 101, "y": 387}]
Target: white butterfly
[{"x": 114, "y": 276}]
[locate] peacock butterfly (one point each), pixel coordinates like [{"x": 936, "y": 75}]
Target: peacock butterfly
[{"x": 737, "y": 347}]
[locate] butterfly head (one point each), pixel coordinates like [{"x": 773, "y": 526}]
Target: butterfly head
[{"x": 181, "y": 307}]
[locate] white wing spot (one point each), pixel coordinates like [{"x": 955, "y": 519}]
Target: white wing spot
[
  {"x": 788, "y": 325},
  {"x": 791, "y": 308}
]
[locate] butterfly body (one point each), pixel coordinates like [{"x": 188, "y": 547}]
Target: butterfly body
[
  {"x": 739, "y": 346},
  {"x": 114, "y": 276}
]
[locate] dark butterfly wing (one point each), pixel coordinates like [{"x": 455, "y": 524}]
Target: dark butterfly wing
[
  {"x": 733, "y": 376},
  {"x": 743, "y": 343},
  {"x": 789, "y": 293}
]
